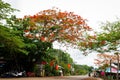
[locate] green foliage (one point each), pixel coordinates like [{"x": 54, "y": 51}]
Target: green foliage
[
  {"x": 82, "y": 69},
  {"x": 111, "y": 26},
  {"x": 61, "y": 58},
  {"x": 10, "y": 41},
  {"x": 34, "y": 48},
  {"x": 5, "y": 10},
  {"x": 12, "y": 48},
  {"x": 111, "y": 31},
  {"x": 110, "y": 35},
  {"x": 106, "y": 41}
]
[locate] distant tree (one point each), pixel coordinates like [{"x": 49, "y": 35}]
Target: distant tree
[
  {"x": 60, "y": 58},
  {"x": 82, "y": 69}
]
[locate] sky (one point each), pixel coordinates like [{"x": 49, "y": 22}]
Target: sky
[{"x": 95, "y": 11}]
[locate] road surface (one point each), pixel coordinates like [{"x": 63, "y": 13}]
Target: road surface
[{"x": 54, "y": 78}]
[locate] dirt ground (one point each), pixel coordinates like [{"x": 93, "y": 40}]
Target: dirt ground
[{"x": 52, "y": 78}]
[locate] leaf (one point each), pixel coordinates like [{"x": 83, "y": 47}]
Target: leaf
[{"x": 23, "y": 51}]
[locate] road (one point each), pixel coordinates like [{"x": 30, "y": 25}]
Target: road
[{"x": 54, "y": 78}]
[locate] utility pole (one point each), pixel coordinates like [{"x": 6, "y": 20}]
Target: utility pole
[
  {"x": 110, "y": 68},
  {"x": 118, "y": 65}
]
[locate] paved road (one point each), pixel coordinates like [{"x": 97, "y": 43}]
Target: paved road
[{"x": 54, "y": 78}]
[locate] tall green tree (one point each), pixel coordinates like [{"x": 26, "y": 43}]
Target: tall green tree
[
  {"x": 11, "y": 44},
  {"x": 8, "y": 37}
]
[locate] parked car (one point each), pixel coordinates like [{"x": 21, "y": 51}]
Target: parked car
[{"x": 13, "y": 74}]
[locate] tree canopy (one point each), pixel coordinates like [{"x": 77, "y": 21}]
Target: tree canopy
[{"x": 53, "y": 24}]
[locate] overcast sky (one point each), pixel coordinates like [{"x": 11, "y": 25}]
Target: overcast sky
[{"x": 95, "y": 11}]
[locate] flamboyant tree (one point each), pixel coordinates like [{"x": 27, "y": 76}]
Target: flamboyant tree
[
  {"x": 105, "y": 58},
  {"x": 54, "y": 25}
]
